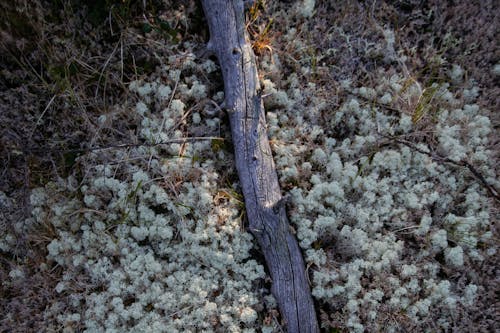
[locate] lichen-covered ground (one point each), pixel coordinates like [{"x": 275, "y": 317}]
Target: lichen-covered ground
[{"x": 120, "y": 208}]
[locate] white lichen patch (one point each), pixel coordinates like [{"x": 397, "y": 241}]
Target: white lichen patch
[
  {"x": 161, "y": 253},
  {"x": 362, "y": 195}
]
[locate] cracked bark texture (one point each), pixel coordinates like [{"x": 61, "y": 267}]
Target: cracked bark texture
[{"x": 265, "y": 206}]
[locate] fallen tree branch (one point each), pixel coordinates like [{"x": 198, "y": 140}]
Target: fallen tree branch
[{"x": 263, "y": 200}]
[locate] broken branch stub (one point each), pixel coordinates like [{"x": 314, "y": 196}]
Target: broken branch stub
[{"x": 265, "y": 206}]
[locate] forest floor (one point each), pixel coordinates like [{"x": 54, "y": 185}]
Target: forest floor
[{"x": 89, "y": 85}]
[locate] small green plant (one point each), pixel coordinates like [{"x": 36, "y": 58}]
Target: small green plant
[
  {"x": 163, "y": 28},
  {"x": 424, "y": 104}
]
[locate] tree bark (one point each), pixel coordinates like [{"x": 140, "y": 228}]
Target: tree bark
[{"x": 264, "y": 203}]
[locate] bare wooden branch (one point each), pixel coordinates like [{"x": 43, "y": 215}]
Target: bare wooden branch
[{"x": 264, "y": 203}]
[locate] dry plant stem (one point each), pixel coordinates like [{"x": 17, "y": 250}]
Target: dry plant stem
[
  {"x": 30, "y": 150},
  {"x": 491, "y": 190},
  {"x": 264, "y": 204}
]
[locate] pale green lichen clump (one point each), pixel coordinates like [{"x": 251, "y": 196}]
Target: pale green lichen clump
[
  {"x": 374, "y": 215},
  {"x": 385, "y": 208},
  {"x": 160, "y": 254}
]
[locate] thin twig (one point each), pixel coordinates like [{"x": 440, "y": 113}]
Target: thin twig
[
  {"x": 104, "y": 68},
  {"x": 168, "y": 107},
  {"x": 122, "y": 145},
  {"x": 493, "y": 192},
  {"x": 41, "y": 116}
]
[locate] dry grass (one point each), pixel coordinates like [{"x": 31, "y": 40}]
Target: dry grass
[{"x": 64, "y": 64}]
